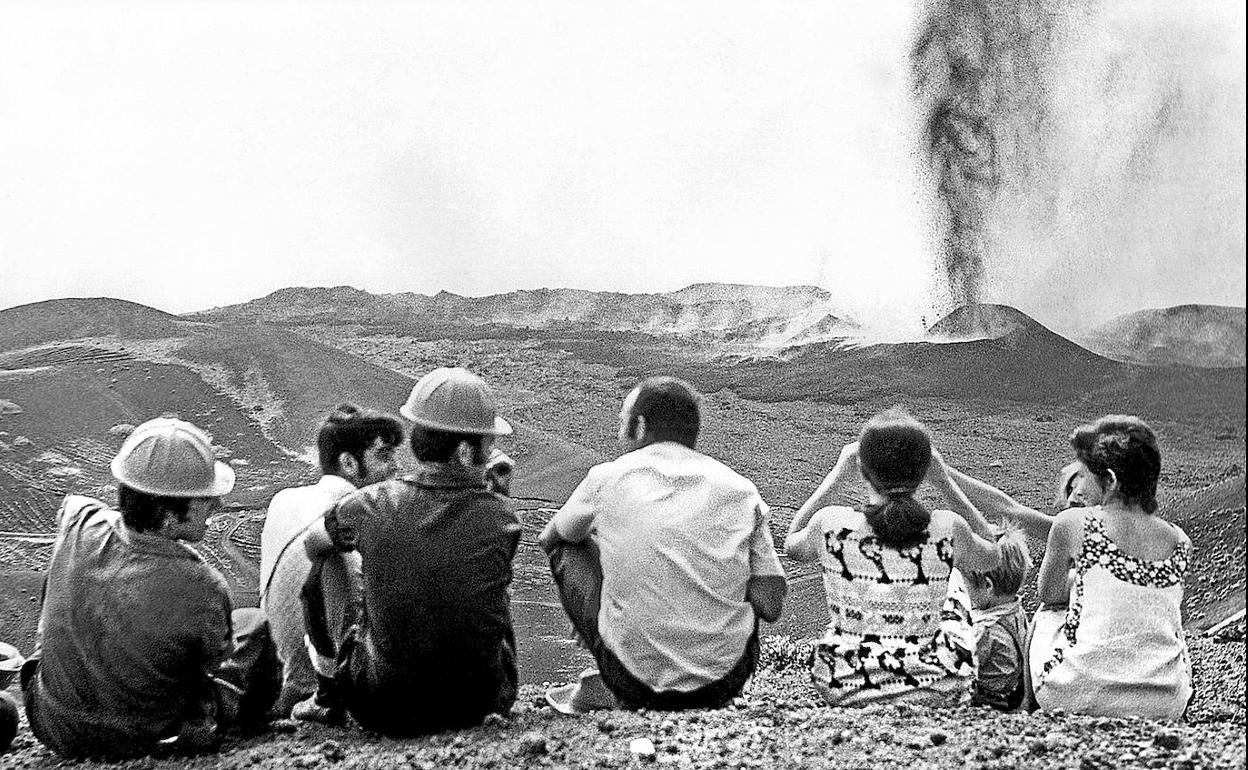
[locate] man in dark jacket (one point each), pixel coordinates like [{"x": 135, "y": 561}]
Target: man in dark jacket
[
  {"x": 138, "y": 650},
  {"x": 435, "y": 649}
]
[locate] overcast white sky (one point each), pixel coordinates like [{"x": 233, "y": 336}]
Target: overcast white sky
[{"x": 193, "y": 154}]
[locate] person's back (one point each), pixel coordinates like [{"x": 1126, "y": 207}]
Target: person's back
[
  {"x": 1121, "y": 648},
  {"x": 284, "y": 568},
  {"x": 435, "y": 649},
  {"x": 664, "y": 563},
  {"x": 1118, "y": 649},
  {"x": 125, "y": 614},
  {"x": 674, "y": 530},
  {"x": 436, "y": 549},
  {"x": 356, "y": 448},
  {"x": 895, "y": 631},
  {"x": 889, "y": 602}
]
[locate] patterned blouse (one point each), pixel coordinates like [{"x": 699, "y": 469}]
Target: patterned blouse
[
  {"x": 1118, "y": 649},
  {"x": 893, "y": 627}
]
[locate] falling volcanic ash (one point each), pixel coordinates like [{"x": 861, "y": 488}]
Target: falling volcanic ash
[
  {"x": 979, "y": 74},
  {"x": 1084, "y": 159}
]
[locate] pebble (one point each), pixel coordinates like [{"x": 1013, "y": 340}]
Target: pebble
[
  {"x": 496, "y": 720},
  {"x": 642, "y": 748},
  {"x": 533, "y": 745},
  {"x": 938, "y": 738},
  {"x": 332, "y": 750},
  {"x": 1167, "y": 739},
  {"x": 605, "y": 725}
]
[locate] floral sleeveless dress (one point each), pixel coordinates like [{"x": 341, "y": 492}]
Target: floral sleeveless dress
[
  {"x": 894, "y": 629},
  {"x": 1118, "y": 649}
]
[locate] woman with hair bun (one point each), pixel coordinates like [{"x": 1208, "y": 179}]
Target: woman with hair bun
[
  {"x": 886, "y": 571},
  {"x": 1118, "y": 649}
]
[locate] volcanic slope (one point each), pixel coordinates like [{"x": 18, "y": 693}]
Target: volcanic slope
[
  {"x": 1213, "y": 518},
  {"x": 1195, "y": 335},
  {"x": 987, "y": 352},
  {"x": 73, "y": 379}
]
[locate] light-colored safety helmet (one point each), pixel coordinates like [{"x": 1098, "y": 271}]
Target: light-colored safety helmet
[
  {"x": 454, "y": 400},
  {"x": 172, "y": 458}
]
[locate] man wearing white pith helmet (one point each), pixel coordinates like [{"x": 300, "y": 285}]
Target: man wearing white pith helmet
[
  {"x": 435, "y": 648},
  {"x": 138, "y": 650}
]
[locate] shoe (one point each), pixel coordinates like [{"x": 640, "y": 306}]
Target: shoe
[
  {"x": 588, "y": 693},
  {"x": 311, "y": 709}
]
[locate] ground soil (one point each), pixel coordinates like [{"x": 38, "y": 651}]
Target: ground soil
[{"x": 779, "y": 722}]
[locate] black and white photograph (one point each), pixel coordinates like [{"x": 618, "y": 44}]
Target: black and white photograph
[{"x": 706, "y": 384}]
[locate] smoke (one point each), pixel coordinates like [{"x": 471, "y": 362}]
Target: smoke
[
  {"x": 979, "y": 74},
  {"x": 1087, "y": 158}
]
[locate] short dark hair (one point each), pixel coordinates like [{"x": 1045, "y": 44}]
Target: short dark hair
[
  {"x": 352, "y": 429},
  {"x": 671, "y": 409},
  {"x": 894, "y": 452},
  {"x": 1126, "y": 445},
  {"x": 439, "y": 446},
  {"x": 145, "y": 512}
]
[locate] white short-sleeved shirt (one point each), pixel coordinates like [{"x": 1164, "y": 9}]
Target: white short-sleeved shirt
[{"x": 679, "y": 534}]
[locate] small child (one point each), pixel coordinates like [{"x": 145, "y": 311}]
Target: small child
[{"x": 1000, "y": 627}]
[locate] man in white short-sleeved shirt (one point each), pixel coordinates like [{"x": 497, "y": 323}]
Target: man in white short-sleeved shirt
[{"x": 664, "y": 560}]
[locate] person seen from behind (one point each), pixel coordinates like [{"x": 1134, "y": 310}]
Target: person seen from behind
[
  {"x": 1117, "y": 567},
  {"x": 886, "y": 571},
  {"x": 665, "y": 564},
  {"x": 137, "y": 649},
  {"x": 1000, "y": 627},
  {"x": 356, "y": 448},
  {"x": 434, "y": 648}
]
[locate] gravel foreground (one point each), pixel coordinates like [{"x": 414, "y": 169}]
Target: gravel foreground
[{"x": 777, "y": 723}]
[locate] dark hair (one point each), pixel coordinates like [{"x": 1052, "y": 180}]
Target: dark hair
[
  {"x": 894, "y": 452},
  {"x": 1125, "y": 445},
  {"x": 439, "y": 446},
  {"x": 144, "y": 512},
  {"x": 352, "y": 430},
  {"x": 671, "y": 409}
]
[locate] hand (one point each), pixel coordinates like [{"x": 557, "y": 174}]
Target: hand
[
  {"x": 498, "y": 472},
  {"x": 849, "y": 454},
  {"x": 196, "y": 736}
]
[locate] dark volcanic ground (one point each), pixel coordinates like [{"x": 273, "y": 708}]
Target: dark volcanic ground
[{"x": 568, "y": 392}]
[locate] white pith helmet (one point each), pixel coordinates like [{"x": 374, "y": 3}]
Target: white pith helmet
[
  {"x": 455, "y": 400},
  {"x": 172, "y": 458}
]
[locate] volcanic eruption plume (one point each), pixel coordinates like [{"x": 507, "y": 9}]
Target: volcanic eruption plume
[{"x": 978, "y": 69}]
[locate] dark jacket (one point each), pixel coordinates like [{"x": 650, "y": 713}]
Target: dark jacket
[
  {"x": 435, "y": 648},
  {"x": 133, "y": 627}
]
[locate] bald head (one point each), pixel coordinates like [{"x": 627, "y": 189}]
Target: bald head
[{"x": 661, "y": 409}]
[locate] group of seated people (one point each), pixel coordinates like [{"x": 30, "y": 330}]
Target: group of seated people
[{"x": 385, "y": 596}]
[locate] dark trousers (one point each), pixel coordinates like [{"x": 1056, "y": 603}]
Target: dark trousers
[
  {"x": 396, "y": 704},
  {"x": 577, "y": 570}
]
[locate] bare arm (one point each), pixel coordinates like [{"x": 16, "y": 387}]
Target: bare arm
[
  {"x": 938, "y": 475},
  {"x": 991, "y": 500},
  {"x": 972, "y": 552},
  {"x": 1053, "y": 579},
  {"x": 798, "y": 544}
]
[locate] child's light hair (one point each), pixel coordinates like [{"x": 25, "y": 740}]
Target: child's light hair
[{"x": 1008, "y": 576}]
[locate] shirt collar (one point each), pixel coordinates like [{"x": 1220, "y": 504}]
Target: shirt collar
[
  {"x": 148, "y": 542},
  {"x": 336, "y": 486},
  {"x": 449, "y": 475}
]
